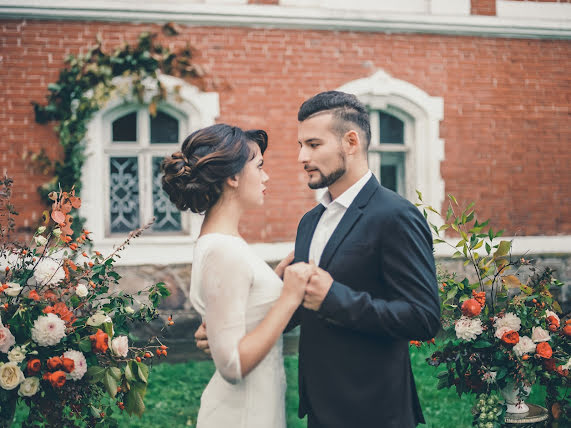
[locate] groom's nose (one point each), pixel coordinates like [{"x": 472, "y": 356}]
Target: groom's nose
[{"x": 303, "y": 156}]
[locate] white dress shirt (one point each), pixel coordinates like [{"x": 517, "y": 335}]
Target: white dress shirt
[{"x": 334, "y": 211}]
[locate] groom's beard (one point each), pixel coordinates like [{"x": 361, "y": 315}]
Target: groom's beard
[{"x": 328, "y": 180}]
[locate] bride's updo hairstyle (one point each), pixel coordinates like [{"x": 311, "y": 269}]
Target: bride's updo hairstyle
[{"x": 194, "y": 177}]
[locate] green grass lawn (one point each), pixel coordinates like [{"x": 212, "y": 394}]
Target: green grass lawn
[{"x": 174, "y": 393}]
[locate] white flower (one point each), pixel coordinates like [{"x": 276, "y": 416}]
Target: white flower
[
  {"x": 40, "y": 240},
  {"x": 10, "y": 376},
  {"x": 489, "y": 377},
  {"x": 539, "y": 335},
  {"x": 567, "y": 365},
  {"x": 129, "y": 310},
  {"x": 17, "y": 354},
  {"x": 56, "y": 232},
  {"x": 48, "y": 271},
  {"x": 41, "y": 229},
  {"x": 13, "y": 289},
  {"x": 7, "y": 259},
  {"x": 468, "y": 328},
  {"x": 549, "y": 313},
  {"x": 29, "y": 387},
  {"x": 6, "y": 339},
  {"x": 98, "y": 318},
  {"x": 120, "y": 346},
  {"x": 80, "y": 364},
  {"x": 501, "y": 331},
  {"x": 508, "y": 320},
  {"x": 524, "y": 346},
  {"x": 81, "y": 290},
  {"x": 48, "y": 330}
]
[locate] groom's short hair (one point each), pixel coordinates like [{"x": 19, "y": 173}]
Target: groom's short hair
[{"x": 346, "y": 109}]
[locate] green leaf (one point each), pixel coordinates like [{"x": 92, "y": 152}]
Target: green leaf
[
  {"x": 453, "y": 199},
  {"x": 115, "y": 372},
  {"x": 503, "y": 249},
  {"x": 95, "y": 373},
  {"x": 142, "y": 371},
  {"x": 481, "y": 344},
  {"x": 134, "y": 399},
  {"x": 129, "y": 372},
  {"x": 438, "y": 241},
  {"x": 419, "y": 195},
  {"x": 478, "y": 245},
  {"x": 85, "y": 345},
  {"x": 110, "y": 383},
  {"x": 108, "y": 328}
]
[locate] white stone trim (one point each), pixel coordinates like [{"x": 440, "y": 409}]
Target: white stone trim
[
  {"x": 533, "y": 10},
  {"x": 422, "y": 114},
  {"x": 156, "y": 253},
  {"x": 198, "y": 109},
  {"x": 271, "y": 16}
]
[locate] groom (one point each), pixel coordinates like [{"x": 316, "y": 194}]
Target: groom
[{"x": 375, "y": 286}]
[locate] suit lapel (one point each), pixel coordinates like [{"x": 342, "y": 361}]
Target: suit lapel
[
  {"x": 351, "y": 216},
  {"x": 305, "y": 234}
]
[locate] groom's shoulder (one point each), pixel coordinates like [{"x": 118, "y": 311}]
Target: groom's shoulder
[{"x": 387, "y": 203}]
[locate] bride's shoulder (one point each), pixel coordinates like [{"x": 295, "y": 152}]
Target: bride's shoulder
[{"x": 221, "y": 245}]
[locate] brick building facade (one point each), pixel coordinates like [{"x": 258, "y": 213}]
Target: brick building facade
[{"x": 476, "y": 92}]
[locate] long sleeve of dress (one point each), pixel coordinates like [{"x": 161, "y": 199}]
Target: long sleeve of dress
[{"x": 226, "y": 284}]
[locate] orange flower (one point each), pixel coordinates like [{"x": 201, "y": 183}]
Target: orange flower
[
  {"x": 525, "y": 357},
  {"x": 64, "y": 313},
  {"x": 567, "y": 330},
  {"x": 553, "y": 321},
  {"x": 510, "y": 337},
  {"x": 34, "y": 295},
  {"x": 412, "y": 342},
  {"x": 46, "y": 376},
  {"x": 34, "y": 367},
  {"x": 471, "y": 308},
  {"x": 54, "y": 363},
  {"x": 57, "y": 379},
  {"x": 99, "y": 341},
  {"x": 544, "y": 350},
  {"x": 67, "y": 364}
]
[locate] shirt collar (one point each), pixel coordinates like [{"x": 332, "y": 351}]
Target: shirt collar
[{"x": 346, "y": 198}]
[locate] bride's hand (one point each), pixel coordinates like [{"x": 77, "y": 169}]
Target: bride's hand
[
  {"x": 280, "y": 268},
  {"x": 296, "y": 277}
]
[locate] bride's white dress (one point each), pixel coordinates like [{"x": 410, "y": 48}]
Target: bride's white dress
[{"x": 233, "y": 289}]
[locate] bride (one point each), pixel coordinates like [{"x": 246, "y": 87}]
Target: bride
[{"x": 219, "y": 171}]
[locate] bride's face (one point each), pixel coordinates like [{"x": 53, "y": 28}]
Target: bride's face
[{"x": 252, "y": 180}]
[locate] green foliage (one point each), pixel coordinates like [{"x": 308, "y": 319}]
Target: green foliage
[{"x": 85, "y": 85}]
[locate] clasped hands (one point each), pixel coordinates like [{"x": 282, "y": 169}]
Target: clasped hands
[{"x": 306, "y": 282}]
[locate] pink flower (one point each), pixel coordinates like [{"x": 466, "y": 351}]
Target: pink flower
[{"x": 7, "y": 340}]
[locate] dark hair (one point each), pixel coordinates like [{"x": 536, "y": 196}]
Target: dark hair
[
  {"x": 346, "y": 109},
  {"x": 194, "y": 177}
]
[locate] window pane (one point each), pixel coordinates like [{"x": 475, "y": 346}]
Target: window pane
[
  {"x": 164, "y": 129},
  {"x": 124, "y": 194},
  {"x": 125, "y": 128},
  {"x": 391, "y": 129},
  {"x": 167, "y": 216},
  {"x": 392, "y": 171}
]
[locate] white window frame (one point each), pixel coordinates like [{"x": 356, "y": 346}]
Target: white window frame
[
  {"x": 194, "y": 109},
  {"x": 421, "y": 114}
]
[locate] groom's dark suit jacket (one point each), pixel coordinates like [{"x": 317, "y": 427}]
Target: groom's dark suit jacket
[{"x": 354, "y": 365}]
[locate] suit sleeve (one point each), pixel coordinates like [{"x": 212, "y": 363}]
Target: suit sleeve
[{"x": 408, "y": 276}]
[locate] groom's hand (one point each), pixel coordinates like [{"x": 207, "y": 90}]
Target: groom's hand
[
  {"x": 316, "y": 289},
  {"x": 201, "y": 339}
]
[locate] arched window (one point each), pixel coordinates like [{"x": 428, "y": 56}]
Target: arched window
[
  {"x": 121, "y": 187},
  {"x": 405, "y": 150}
]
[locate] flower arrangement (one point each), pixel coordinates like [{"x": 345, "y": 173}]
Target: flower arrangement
[
  {"x": 64, "y": 329},
  {"x": 501, "y": 328}
]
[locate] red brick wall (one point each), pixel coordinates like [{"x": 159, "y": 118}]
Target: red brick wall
[
  {"x": 506, "y": 108},
  {"x": 483, "y": 7}
]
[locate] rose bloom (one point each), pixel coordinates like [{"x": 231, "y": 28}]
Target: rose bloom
[
  {"x": 524, "y": 346},
  {"x": 501, "y": 331},
  {"x": 544, "y": 350},
  {"x": 508, "y": 320},
  {"x": 34, "y": 366},
  {"x": 99, "y": 341},
  {"x": 7, "y": 340},
  {"x": 57, "y": 379},
  {"x": 48, "y": 330},
  {"x": 510, "y": 337},
  {"x": 29, "y": 387},
  {"x": 17, "y": 354},
  {"x": 10, "y": 376},
  {"x": 120, "y": 346},
  {"x": 13, "y": 289},
  {"x": 67, "y": 364},
  {"x": 80, "y": 364},
  {"x": 48, "y": 272},
  {"x": 81, "y": 290},
  {"x": 34, "y": 295},
  {"x": 468, "y": 328},
  {"x": 54, "y": 363},
  {"x": 539, "y": 335},
  {"x": 549, "y": 313},
  {"x": 41, "y": 241}
]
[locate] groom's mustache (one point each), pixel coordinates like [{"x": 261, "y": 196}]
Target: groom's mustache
[{"x": 310, "y": 168}]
